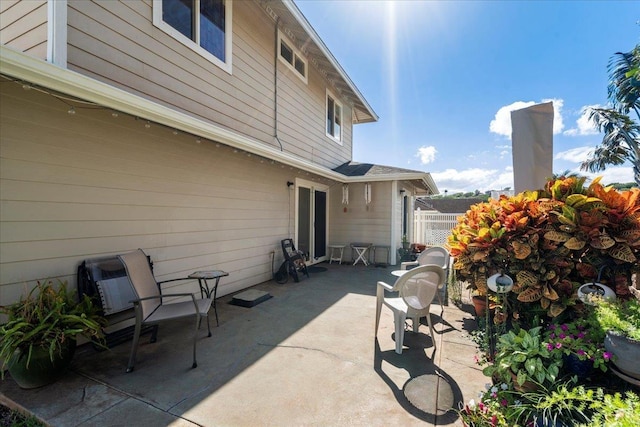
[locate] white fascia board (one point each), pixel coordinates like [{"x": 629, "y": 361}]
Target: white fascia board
[
  {"x": 291, "y": 6},
  {"x": 25, "y": 67},
  {"x": 423, "y": 177}
]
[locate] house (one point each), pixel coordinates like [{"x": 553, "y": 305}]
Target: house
[
  {"x": 203, "y": 135},
  {"x": 447, "y": 205}
]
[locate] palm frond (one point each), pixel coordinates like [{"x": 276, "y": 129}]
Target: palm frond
[
  {"x": 624, "y": 82},
  {"x": 620, "y": 143}
]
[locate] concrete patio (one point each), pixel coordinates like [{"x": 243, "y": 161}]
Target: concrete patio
[{"x": 307, "y": 356}]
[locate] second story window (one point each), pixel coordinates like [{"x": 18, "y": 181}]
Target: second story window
[
  {"x": 292, "y": 57},
  {"x": 334, "y": 118},
  {"x": 203, "y": 25}
]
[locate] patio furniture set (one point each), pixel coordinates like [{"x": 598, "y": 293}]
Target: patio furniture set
[
  {"x": 126, "y": 288},
  {"x": 361, "y": 252}
]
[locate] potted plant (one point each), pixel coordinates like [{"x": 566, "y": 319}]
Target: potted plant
[
  {"x": 621, "y": 321},
  {"x": 39, "y": 337},
  {"x": 522, "y": 358},
  {"x": 405, "y": 242},
  {"x": 581, "y": 345}
]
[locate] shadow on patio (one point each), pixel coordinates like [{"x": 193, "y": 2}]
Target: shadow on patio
[{"x": 307, "y": 356}]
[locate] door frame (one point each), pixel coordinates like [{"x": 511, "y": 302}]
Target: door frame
[{"x": 312, "y": 186}]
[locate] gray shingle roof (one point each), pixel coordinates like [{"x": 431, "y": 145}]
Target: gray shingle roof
[
  {"x": 447, "y": 205},
  {"x": 369, "y": 169}
]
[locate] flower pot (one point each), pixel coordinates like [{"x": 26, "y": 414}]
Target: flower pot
[
  {"x": 480, "y": 305},
  {"x": 626, "y": 353},
  {"x": 580, "y": 368},
  {"x": 41, "y": 370},
  {"x": 526, "y": 387}
]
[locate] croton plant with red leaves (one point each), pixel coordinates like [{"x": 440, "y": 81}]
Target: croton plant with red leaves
[{"x": 551, "y": 241}]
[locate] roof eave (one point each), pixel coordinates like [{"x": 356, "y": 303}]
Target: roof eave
[
  {"x": 25, "y": 67},
  {"x": 298, "y": 15},
  {"x": 424, "y": 179}
]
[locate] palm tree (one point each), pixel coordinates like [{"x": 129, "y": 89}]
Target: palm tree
[{"x": 621, "y": 141}]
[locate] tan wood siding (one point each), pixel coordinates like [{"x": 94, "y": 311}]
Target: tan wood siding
[
  {"x": 302, "y": 110},
  {"x": 359, "y": 224},
  {"x": 23, "y": 26},
  {"x": 116, "y": 42},
  {"x": 86, "y": 185},
  {"x": 108, "y": 41}
]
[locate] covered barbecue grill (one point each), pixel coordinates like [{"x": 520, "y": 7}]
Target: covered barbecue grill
[{"x": 105, "y": 280}]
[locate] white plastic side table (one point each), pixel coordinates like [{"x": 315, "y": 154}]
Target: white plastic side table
[
  {"x": 359, "y": 252},
  {"x": 334, "y": 250}
]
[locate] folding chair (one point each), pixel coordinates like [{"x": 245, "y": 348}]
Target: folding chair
[
  {"x": 151, "y": 306},
  {"x": 294, "y": 258}
]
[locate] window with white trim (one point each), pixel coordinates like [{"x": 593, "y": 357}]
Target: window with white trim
[
  {"x": 334, "y": 118},
  {"x": 292, "y": 57},
  {"x": 202, "y": 25}
]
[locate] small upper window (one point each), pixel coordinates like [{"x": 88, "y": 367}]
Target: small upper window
[
  {"x": 292, "y": 58},
  {"x": 203, "y": 25},
  {"x": 334, "y": 118}
]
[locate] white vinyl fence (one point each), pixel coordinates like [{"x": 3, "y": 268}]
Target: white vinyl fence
[{"x": 432, "y": 228}]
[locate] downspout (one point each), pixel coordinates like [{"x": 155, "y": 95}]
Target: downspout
[
  {"x": 275, "y": 85},
  {"x": 57, "y": 32}
]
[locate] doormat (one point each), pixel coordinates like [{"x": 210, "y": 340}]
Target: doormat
[
  {"x": 250, "y": 298},
  {"x": 314, "y": 269}
]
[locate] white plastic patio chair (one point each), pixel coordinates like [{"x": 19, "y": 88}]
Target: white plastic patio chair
[
  {"x": 151, "y": 306},
  {"x": 415, "y": 291},
  {"x": 436, "y": 255}
]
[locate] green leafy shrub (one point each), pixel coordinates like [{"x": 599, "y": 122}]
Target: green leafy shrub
[
  {"x": 621, "y": 317},
  {"x": 616, "y": 410},
  {"x": 48, "y": 318},
  {"x": 522, "y": 353}
]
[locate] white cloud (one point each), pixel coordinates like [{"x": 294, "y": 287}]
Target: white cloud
[
  {"x": 585, "y": 126},
  {"x": 427, "y": 154},
  {"x": 464, "y": 181},
  {"x": 576, "y": 155},
  {"x": 468, "y": 180},
  {"x": 558, "y": 121},
  {"x": 612, "y": 175},
  {"x": 501, "y": 124}
]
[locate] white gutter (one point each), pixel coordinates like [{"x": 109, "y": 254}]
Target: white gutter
[
  {"x": 426, "y": 179},
  {"x": 25, "y": 67}
]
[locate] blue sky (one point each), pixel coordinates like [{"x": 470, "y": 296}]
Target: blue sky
[{"x": 443, "y": 76}]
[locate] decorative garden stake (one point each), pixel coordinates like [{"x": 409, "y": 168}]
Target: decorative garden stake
[
  {"x": 500, "y": 283},
  {"x": 595, "y": 289}
]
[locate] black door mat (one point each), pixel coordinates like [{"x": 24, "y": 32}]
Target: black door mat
[{"x": 250, "y": 298}]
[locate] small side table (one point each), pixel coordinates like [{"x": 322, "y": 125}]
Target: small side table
[
  {"x": 384, "y": 247},
  {"x": 202, "y": 277},
  {"x": 333, "y": 253},
  {"x": 359, "y": 252}
]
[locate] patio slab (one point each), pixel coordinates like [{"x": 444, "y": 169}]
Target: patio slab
[{"x": 307, "y": 356}]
